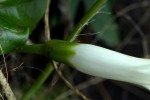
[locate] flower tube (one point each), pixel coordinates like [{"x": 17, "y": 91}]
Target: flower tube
[{"x": 101, "y": 62}]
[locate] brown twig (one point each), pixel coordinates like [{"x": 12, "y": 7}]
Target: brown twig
[
  {"x": 5, "y": 65},
  {"x": 6, "y": 88},
  {"x": 80, "y": 86},
  {"x": 4, "y": 81},
  {"x": 46, "y": 20},
  {"x": 68, "y": 83},
  {"x": 103, "y": 91},
  {"x": 55, "y": 76},
  {"x": 47, "y": 37}
]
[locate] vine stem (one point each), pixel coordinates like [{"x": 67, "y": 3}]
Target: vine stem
[
  {"x": 38, "y": 83},
  {"x": 38, "y": 49},
  {"x": 84, "y": 21}
]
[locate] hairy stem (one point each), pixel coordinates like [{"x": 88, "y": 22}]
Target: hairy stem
[{"x": 91, "y": 13}]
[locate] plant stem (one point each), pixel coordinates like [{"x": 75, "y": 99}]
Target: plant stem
[
  {"x": 39, "y": 49},
  {"x": 84, "y": 21},
  {"x": 38, "y": 83},
  {"x": 32, "y": 49}
]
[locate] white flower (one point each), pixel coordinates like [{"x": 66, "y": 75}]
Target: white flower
[{"x": 101, "y": 62}]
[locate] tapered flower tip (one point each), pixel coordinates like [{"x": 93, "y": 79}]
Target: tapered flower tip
[{"x": 101, "y": 62}]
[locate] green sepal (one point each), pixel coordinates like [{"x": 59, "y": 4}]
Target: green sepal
[{"x": 60, "y": 51}]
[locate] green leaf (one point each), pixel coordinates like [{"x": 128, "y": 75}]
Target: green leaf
[
  {"x": 5, "y": 3},
  {"x": 17, "y": 20}
]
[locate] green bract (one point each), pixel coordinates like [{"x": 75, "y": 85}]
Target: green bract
[{"x": 60, "y": 51}]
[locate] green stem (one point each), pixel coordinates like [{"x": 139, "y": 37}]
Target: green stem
[
  {"x": 32, "y": 49},
  {"x": 91, "y": 13},
  {"x": 38, "y": 83},
  {"x": 37, "y": 49}
]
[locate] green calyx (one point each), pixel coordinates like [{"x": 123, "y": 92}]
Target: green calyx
[{"x": 60, "y": 50}]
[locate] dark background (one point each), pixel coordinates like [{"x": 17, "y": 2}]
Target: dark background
[{"x": 132, "y": 18}]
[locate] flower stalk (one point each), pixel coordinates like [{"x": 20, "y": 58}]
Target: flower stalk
[{"x": 84, "y": 21}]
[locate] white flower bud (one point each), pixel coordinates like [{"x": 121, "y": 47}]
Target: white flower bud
[{"x": 101, "y": 62}]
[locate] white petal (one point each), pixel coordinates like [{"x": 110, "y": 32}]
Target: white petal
[{"x": 98, "y": 61}]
